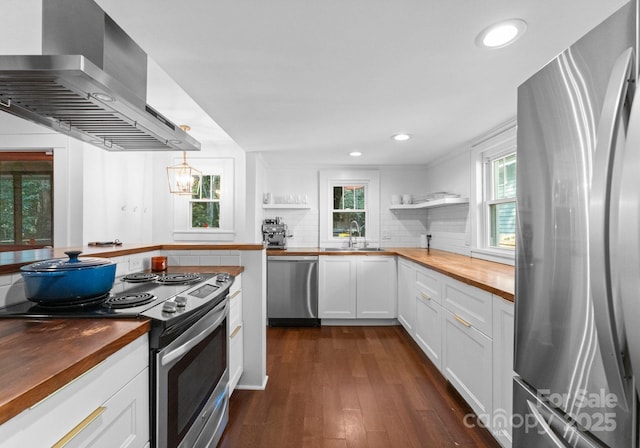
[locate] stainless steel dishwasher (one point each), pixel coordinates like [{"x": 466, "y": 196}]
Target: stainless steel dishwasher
[{"x": 292, "y": 290}]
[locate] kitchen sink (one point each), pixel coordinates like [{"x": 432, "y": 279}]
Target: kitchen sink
[{"x": 353, "y": 249}]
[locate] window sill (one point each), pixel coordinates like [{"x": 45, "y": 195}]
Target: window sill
[
  {"x": 203, "y": 235},
  {"x": 495, "y": 255}
]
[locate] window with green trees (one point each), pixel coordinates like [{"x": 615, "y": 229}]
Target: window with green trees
[
  {"x": 205, "y": 202},
  {"x": 26, "y": 200},
  {"x": 349, "y": 204},
  {"x": 502, "y": 202}
]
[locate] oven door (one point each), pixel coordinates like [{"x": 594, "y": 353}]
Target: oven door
[{"x": 191, "y": 384}]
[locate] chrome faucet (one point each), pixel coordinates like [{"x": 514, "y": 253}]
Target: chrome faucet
[{"x": 351, "y": 242}]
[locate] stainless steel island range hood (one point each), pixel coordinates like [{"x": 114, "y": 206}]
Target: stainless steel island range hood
[{"x": 90, "y": 82}]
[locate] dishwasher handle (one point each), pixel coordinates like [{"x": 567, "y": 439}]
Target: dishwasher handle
[{"x": 292, "y": 258}]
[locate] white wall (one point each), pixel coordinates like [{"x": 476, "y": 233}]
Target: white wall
[
  {"x": 450, "y": 225},
  {"x": 163, "y": 202},
  {"x": 256, "y": 174},
  {"x": 302, "y": 224},
  {"x": 117, "y": 197}
]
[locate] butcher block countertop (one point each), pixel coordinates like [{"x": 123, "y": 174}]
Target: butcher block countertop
[
  {"x": 39, "y": 356},
  {"x": 496, "y": 278}
]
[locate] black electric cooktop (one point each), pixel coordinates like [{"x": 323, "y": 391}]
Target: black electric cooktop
[{"x": 137, "y": 294}]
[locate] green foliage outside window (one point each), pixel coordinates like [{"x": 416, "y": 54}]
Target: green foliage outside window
[
  {"x": 205, "y": 202},
  {"x": 349, "y": 204},
  {"x": 26, "y": 192},
  {"x": 502, "y": 212}
]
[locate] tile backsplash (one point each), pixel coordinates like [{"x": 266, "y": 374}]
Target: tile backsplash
[
  {"x": 449, "y": 227},
  {"x": 302, "y": 224}
]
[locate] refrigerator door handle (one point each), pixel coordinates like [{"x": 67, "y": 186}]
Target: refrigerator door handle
[
  {"x": 545, "y": 426},
  {"x": 629, "y": 239},
  {"x": 561, "y": 433},
  {"x": 599, "y": 204}
]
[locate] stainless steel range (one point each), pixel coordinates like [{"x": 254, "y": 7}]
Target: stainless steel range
[{"x": 188, "y": 347}]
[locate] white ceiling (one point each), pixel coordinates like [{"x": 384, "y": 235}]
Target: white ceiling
[{"x": 306, "y": 81}]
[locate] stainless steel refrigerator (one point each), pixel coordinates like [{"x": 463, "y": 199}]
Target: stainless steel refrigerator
[{"x": 577, "y": 269}]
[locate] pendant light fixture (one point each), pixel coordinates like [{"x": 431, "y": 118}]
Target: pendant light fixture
[{"x": 182, "y": 176}]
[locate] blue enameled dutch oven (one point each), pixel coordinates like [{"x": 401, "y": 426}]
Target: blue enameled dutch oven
[{"x": 62, "y": 280}]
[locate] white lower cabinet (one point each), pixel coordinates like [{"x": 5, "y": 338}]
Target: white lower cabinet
[
  {"x": 428, "y": 328},
  {"x": 429, "y": 313},
  {"x": 406, "y": 295},
  {"x": 503, "y": 332},
  {"x": 376, "y": 287},
  {"x": 357, "y": 287},
  {"x": 107, "y": 406},
  {"x": 467, "y": 361},
  {"x": 467, "y": 358},
  {"x": 236, "y": 334},
  {"x": 468, "y": 335},
  {"x": 337, "y": 287}
]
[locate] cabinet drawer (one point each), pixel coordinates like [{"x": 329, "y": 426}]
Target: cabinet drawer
[
  {"x": 123, "y": 421},
  {"x": 471, "y": 304},
  {"x": 428, "y": 284}
]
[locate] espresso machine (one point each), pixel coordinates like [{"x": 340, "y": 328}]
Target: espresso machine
[{"x": 274, "y": 233}]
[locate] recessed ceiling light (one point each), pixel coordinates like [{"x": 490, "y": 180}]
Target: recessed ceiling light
[
  {"x": 501, "y": 34},
  {"x": 401, "y": 137},
  {"x": 355, "y": 153}
]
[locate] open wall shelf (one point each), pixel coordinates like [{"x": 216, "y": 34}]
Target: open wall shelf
[{"x": 430, "y": 204}]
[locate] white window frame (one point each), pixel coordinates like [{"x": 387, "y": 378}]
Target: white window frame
[
  {"x": 496, "y": 144},
  {"x": 364, "y": 210},
  {"x": 212, "y": 200},
  {"x": 224, "y": 167},
  {"x": 371, "y": 182}
]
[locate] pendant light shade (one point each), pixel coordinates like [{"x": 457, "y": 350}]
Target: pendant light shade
[{"x": 183, "y": 178}]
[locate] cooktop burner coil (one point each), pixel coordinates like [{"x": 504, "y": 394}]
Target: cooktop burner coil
[
  {"x": 129, "y": 300},
  {"x": 75, "y": 303},
  {"x": 178, "y": 278},
  {"x": 139, "y": 277}
]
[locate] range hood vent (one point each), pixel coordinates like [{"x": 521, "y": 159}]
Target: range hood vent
[{"x": 89, "y": 83}]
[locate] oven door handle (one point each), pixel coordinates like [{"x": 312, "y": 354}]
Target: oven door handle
[{"x": 184, "y": 348}]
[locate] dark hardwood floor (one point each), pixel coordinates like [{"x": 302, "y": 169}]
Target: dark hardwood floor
[{"x": 335, "y": 387}]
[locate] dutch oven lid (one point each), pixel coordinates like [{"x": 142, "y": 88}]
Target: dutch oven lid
[{"x": 63, "y": 264}]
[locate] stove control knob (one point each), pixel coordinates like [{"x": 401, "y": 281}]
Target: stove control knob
[
  {"x": 169, "y": 307},
  {"x": 181, "y": 301}
]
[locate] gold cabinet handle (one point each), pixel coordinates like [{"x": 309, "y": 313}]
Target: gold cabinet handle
[
  {"x": 424, "y": 296},
  {"x": 235, "y": 294},
  {"x": 462, "y": 321},
  {"x": 235, "y": 332},
  {"x": 79, "y": 427}
]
